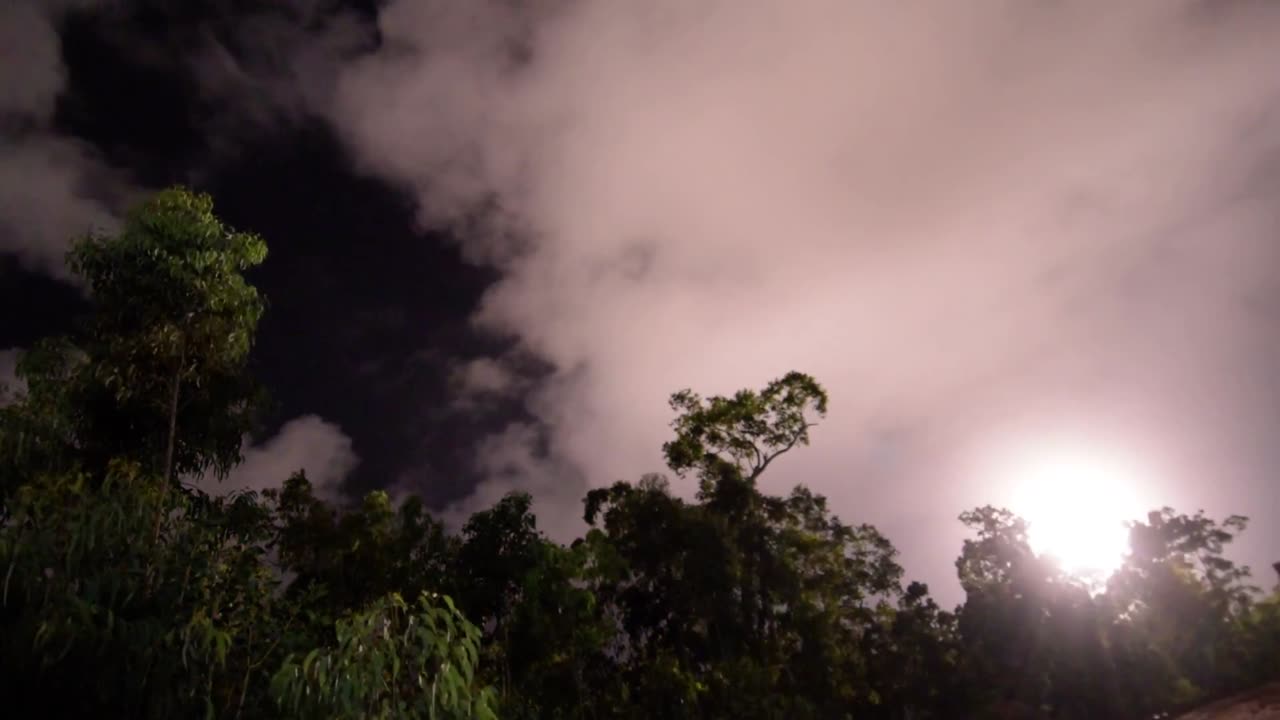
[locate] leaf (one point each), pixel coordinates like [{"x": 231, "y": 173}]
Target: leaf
[{"x": 309, "y": 661}]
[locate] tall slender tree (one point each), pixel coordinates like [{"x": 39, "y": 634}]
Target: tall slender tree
[{"x": 168, "y": 341}]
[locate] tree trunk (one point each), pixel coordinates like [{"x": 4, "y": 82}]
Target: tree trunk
[
  {"x": 173, "y": 416},
  {"x": 169, "y": 444}
]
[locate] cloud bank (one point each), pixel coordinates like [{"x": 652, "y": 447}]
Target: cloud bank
[{"x": 985, "y": 226}]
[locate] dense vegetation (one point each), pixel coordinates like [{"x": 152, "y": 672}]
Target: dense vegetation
[{"x": 127, "y": 592}]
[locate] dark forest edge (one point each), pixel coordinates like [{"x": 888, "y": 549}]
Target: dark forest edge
[{"x": 126, "y": 592}]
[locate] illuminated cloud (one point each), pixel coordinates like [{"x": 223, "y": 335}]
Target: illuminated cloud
[
  {"x": 983, "y": 225},
  {"x": 306, "y": 443}
]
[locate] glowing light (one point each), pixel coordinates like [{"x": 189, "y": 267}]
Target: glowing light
[{"x": 1077, "y": 505}]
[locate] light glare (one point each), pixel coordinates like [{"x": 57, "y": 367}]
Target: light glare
[{"x": 1077, "y": 506}]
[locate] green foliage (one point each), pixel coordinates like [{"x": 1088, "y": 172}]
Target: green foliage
[
  {"x": 1192, "y": 603},
  {"x": 757, "y": 603},
  {"x": 499, "y": 548},
  {"x": 124, "y": 593},
  {"x": 349, "y": 559},
  {"x": 390, "y": 661},
  {"x": 745, "y": 432},
  {"x": 169, "y": 337},
  {"x": 1177, "y": 623},
  {"x": 36, "y": 434},
  {"x": 157, "y": 628}
]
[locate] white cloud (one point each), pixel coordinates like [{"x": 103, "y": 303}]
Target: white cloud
[
  {"x": 42, "y": 211},
  {"x": 305, "y": 443},
  {"x": 46, "y": 200},
  {"x": 970, "y": 220}
]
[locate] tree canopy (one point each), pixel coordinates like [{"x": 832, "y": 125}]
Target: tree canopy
[{"x": 125, "y": 591}]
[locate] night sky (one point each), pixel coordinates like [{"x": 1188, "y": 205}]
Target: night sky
[
  {"x": 1008, "y": 237},
  {"x": 368, "y": 312}
]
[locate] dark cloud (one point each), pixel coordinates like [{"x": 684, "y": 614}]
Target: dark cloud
[{"x": 275, "y": 66}]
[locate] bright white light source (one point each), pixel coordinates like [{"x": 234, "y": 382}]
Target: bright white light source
[{"x": 1077, "y": 505}]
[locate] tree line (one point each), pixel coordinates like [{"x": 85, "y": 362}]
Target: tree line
[{"x": 126, "y": 591}]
